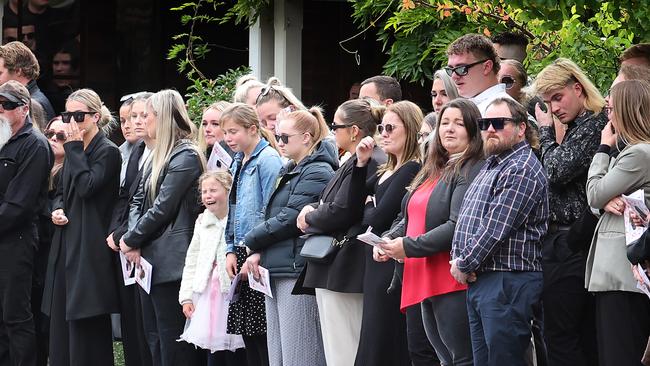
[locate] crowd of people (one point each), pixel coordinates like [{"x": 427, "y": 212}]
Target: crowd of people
[{"x": 487, "y": 232}]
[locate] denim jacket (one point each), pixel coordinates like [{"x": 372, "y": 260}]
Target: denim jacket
[{"x": 254, "y": 186}]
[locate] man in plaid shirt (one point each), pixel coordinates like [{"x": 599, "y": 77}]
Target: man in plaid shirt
[{"x": 497, "y": 245}]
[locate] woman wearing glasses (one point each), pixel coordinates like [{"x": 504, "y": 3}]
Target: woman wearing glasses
[
  {"x": 339, "y": 280},
  {"x": 167, "y": 207},
  {"x": 254, "y": 169},
  {"x": 293, "y": 334},
  {"x": 80, "y": 289},
  {"x": 423, "y": 238},
  {"x": 513, "y": 74},
  {"x": 383, "y": 326}
]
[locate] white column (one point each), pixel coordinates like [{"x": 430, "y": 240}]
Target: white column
[
  {"x": 260, "y": 46},
  {"x": 288, "y": 16}
]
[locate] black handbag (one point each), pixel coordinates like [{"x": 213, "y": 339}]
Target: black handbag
[
  {"x": 639, "y": 250},
  {"x": 321, "y": 248}
]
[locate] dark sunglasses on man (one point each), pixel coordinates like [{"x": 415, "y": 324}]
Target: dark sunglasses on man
[
  {"x": 8, "y": 105},
  {"x": 498, "y": 123},
  {"x": 462, "y": 70},
  {"x": 508, "y": 80},
  {"x": 60, "y": 136},
  {"x": 78, "y": 116}
]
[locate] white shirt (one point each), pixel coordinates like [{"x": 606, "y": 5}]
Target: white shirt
[
  {"x": 483, "y": 99},
  {"x": 144, "y": 158}
]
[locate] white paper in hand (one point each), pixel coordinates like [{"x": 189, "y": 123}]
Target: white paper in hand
[
  {"x": 219, "y": 159},
  {"x": 634, "y": 202},
  {"x": 370, "y": 238},
  {"x": 128, "y": 270},
  {"x": 645, "y": 285},
  {"x": 143, "y": 274},
  {"x": 262, "y": 284}
]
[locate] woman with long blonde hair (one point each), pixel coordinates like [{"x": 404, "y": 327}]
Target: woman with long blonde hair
[{"x": 167, "y": 206}]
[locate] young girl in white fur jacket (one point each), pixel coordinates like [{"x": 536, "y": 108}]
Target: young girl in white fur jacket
[{"x": 205, "y": 281}]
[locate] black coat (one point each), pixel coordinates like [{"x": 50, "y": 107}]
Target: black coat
[
  {"x": 121, "y": 211},
  {"x": 278, "y": 237},
  {"x": 340, "y": 213},
  {"x": 165, "y": 227},
  {"x": 87, "y": 192}
]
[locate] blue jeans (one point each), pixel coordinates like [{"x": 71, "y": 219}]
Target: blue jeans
[{"x": 500, "y": 310}]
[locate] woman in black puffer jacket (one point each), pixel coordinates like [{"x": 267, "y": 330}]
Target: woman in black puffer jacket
[{"x": 293, "y": 332}]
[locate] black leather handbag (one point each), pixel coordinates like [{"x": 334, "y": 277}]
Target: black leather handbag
[{"x": 321, "y": 248}]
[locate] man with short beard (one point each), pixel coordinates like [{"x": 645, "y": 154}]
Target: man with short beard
[
  {"x": 24, "y": 171},
  {"x": 497, "y": 244},
  {"x": 5, "y": 132}
]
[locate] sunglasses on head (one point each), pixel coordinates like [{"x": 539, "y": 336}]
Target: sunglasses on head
[
  {"x": 60, "y": 136},
  {"x": 509, "y": 81},
  {"x": 388, "y": 127},
  {"x": 462, "y": 70},
  {"x": 498, "y": 123},
  {"x": 78, "y": 116},
  {"x": 8, "y": 105}
]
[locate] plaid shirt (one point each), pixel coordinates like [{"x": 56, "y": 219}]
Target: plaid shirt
[{"x": 504, "y": 216}]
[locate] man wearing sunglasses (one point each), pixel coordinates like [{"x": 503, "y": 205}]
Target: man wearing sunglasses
[
  {"x": 497, "y": 244},
  {"x": 25, "y": 164},
  {"x": 18, "y": 63},
  {"x": 573, "y": 103},
  {"x": 473, "y": 64}
]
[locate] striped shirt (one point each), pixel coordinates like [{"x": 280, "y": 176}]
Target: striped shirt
[{"x": 504, "y": 216}]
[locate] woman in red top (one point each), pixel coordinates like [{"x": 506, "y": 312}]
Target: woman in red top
[{"x": 423, "y": 238}]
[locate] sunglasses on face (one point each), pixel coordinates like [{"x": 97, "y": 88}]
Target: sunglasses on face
[
  {"x": 8, "y": 105},
  {"x": 462, "y": 70},
  {"x": 78, "y": 116},
  {"x": 388, "y": 127},
  {"x": 498, "y": 123},
  {"x": 335, "y": 127},
  {"x": 285, "y": 138},
  {"x": 60, "y": 136},
  {"x": 509, "y": 81}
]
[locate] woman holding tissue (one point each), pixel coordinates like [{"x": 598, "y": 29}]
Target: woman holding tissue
[
  {"x": 423, "y": 238},
  {"x": 622, "y": 310},
  {"x": 383, "y": 326},
  {"x": 167, "y": 206},
  {"x": 80, "y": 289}
]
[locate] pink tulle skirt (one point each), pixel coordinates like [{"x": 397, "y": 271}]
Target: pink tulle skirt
[{"x": 207, "y": 326}]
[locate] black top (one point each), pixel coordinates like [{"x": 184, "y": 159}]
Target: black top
[{"x": 36, "y": 94}]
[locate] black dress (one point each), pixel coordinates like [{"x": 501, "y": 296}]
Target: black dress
[{"x": 383, "y": 326}]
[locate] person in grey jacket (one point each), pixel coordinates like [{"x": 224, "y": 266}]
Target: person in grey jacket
[
  {"x": 436, "y": 194},
  {"x": 293, "y": 332},
  {"x": 622, "y": 310},
  {"x": 167, "y": 205}
]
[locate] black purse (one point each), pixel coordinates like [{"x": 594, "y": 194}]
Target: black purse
[
  {"x": 321, "y": 248},
  {"x": 639, "y": 250}
]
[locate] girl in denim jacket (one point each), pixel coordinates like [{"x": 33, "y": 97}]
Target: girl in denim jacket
[{"x": 255, "y": 169}]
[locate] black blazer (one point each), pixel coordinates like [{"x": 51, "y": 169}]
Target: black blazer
[
  {"x": 121, "y": 210},
  {"x": 442, "y": 212},
  {"x": 340, "y": 213}
]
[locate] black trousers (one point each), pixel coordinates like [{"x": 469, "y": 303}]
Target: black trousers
[
  {"x": 623, "y": 327},
  {"x": 420, "y": 350},
  {"x": 569, "y": 323},
  {"x": 163, "y": 321},
  {"x": 136, "y": 352},
  {"x": 17, "y": 334},
  {"x": 77, "y": 342}
]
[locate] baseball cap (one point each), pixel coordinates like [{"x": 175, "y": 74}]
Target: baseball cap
[{"x": 15, "y": 92}]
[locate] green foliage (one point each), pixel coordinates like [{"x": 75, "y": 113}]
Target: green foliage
[
  {"x": 190, "y": 47},
  {"x": 415, "y": 33},
  {"x": 204, "y": 92}
]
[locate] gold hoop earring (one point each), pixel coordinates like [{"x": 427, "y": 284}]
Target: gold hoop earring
[{"x": 353, "y": 138}]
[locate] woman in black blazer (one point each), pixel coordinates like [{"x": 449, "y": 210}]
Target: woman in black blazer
[
  {"x": 339, "y": 282},
  {"x": 383, "y": 326},
  {"x": 80, "y": 289},
  {"x": 423, "y": 237}
]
